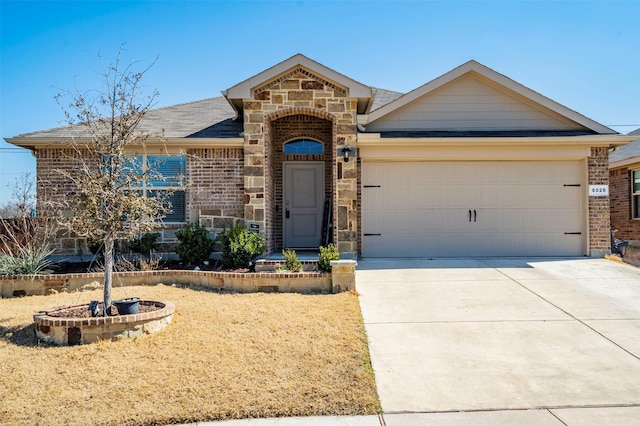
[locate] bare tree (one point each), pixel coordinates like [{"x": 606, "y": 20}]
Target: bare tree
[
  {"x": 105, "y": 204},
  {"x": 23, "y": 197}
]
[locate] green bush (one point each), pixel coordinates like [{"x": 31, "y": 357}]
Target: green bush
[
  {"x": 241, "y": 246},
  {"x": 325, "y": 256},
  {"x": 195, "y": 244},
  {"x": 145, "y": 244},
  {"x": 291, "y": 261},
  {"x": 26, "y": 261}
]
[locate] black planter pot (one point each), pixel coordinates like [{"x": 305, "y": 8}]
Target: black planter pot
[{"x": 127, "y": 306}]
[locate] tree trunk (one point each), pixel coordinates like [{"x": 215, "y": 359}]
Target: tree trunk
[{"x": 108, "y": 273}]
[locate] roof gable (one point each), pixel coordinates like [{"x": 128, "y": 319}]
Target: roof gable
[
  {"x": 473, "y": 97},
  {"x": 298, "y": 63}
]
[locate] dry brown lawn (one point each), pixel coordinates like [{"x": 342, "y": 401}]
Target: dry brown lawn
[{"x": 224, "y": 356}]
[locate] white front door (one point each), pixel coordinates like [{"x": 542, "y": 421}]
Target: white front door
[{"x": 303, "y": 204}]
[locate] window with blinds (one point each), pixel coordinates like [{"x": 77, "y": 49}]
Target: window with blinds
[{"x": 166, "y": 182}]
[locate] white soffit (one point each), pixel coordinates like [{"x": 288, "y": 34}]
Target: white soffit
[{"x": 497, "y": 78}]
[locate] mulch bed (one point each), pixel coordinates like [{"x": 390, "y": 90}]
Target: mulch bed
[
  {"x": 83, "y": 311},
  {"x": 174, "y": 265}
]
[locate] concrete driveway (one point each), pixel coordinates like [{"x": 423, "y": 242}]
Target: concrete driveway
[{"x": 504, "y": 334}]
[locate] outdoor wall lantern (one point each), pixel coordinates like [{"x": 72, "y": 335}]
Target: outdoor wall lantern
[{"x": 346, "y": 151}]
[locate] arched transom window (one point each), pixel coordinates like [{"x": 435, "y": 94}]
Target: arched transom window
[{"x": 303, "y": 146}]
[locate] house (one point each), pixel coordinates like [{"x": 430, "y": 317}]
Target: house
[
  {"x": 624, "y": 178},
  {"x": 469, "y": 164}
]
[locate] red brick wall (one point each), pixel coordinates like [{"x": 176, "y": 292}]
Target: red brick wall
[
  {"x": 620, "y": 190},
  {"x": 599, "y": 224},
  {"x": 215, "y": 178},
  {"x": 283, "y": 130},
  {"x": 51, "y": 164}
]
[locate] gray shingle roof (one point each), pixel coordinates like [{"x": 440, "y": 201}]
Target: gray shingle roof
[
  {"x": 207, "y": 118},
  {"x": 211, "y": 117},
  {"x": 383, "y": 97},
  {"x": 627, "y": 151}
]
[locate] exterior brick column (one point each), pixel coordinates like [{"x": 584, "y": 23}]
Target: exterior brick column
[{"x": 599, "y": 216}]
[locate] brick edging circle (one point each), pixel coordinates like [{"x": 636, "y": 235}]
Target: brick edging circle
[{"x": 43, "y": 318}]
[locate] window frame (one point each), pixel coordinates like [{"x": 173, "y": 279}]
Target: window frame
[
  {"x": 158, "y": 186},
  {"x": 635, "y": 195},
  {"x": 303, "y": 139}
]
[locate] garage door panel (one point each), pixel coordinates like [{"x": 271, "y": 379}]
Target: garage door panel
[
  {"x": 456, "y": 244},
  {"x": 527, "y": 220},
  {"x": 414, "y": 221},
  {"x": 422, "y": 209},
  {"x": 418, "y": 197},
  {"x": 531, "y": 196}
]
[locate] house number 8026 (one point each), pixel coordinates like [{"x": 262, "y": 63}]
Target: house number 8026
[{"x": 598, "y": 190}]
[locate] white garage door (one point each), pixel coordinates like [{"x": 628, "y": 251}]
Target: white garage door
[{"x": 473, "y": 209}]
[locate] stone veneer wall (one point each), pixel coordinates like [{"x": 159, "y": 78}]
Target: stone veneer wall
[
  {"x": 295, "y": 93},
  {"x": 599, "y": 215},
  {"x": 621, "y": 209}
]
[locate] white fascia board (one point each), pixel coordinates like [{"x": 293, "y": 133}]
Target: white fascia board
[
  {"x": 374, "y": 139},
  {"x": 362, "y": 119},
  {"x": 488, "y": 73},
  {"x": 625, "y": 163},
  {"x": 172, "y": 143}
]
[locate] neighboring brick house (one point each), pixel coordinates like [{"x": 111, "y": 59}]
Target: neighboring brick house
[
  {"x": 624, "y": 178},
  {"x": 469, "y": 164}
]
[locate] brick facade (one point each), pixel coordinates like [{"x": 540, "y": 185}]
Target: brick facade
[
  {"x": 53, "y": 186},
  {"x": 621, "y": 208},
  {"x": 599, "y": 224},
  {"x": 299, "y": 94},
  {"x": 286, "y": 129},
  {"x": 215, "y": 195},
  {"x": 245, "y": 184}
]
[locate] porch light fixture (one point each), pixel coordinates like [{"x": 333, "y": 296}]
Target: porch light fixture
[{"x": 346, "y": 151}]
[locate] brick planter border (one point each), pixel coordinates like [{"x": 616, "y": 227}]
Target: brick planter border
[
  {"x": 76, "y": 331},
  {"x": 341, "y": 278}
]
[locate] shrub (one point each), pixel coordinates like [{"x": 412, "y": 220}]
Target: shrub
[
  {"x": 25, "y": 247},
  {"x": 291, "y": 261},
  {"x": 241, "y": 246},
  {"x": 326, "y": 255},
  {"x": 195, "y": 244},
  {"x": 145, "y": 244},
  {"x": 26, "y": 261}
]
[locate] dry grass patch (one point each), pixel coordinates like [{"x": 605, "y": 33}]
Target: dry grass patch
[{"x": 224, "y": 356}]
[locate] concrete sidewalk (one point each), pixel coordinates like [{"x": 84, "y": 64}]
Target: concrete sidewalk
[
  {"x": 618, "y": 416},
  {"x": 498, "y": 342}
]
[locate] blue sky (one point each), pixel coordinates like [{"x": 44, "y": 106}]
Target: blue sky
[{"x": 583, "y": 54}]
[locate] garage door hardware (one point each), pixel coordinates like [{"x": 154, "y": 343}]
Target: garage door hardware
[
  {"x": 475, "y": 216},
  {"x": 571, "y": 184},
  {"x": 372, "y": 235},
  {"x": 372, "y": 186},
  {"x": 573, "y": 233}
]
